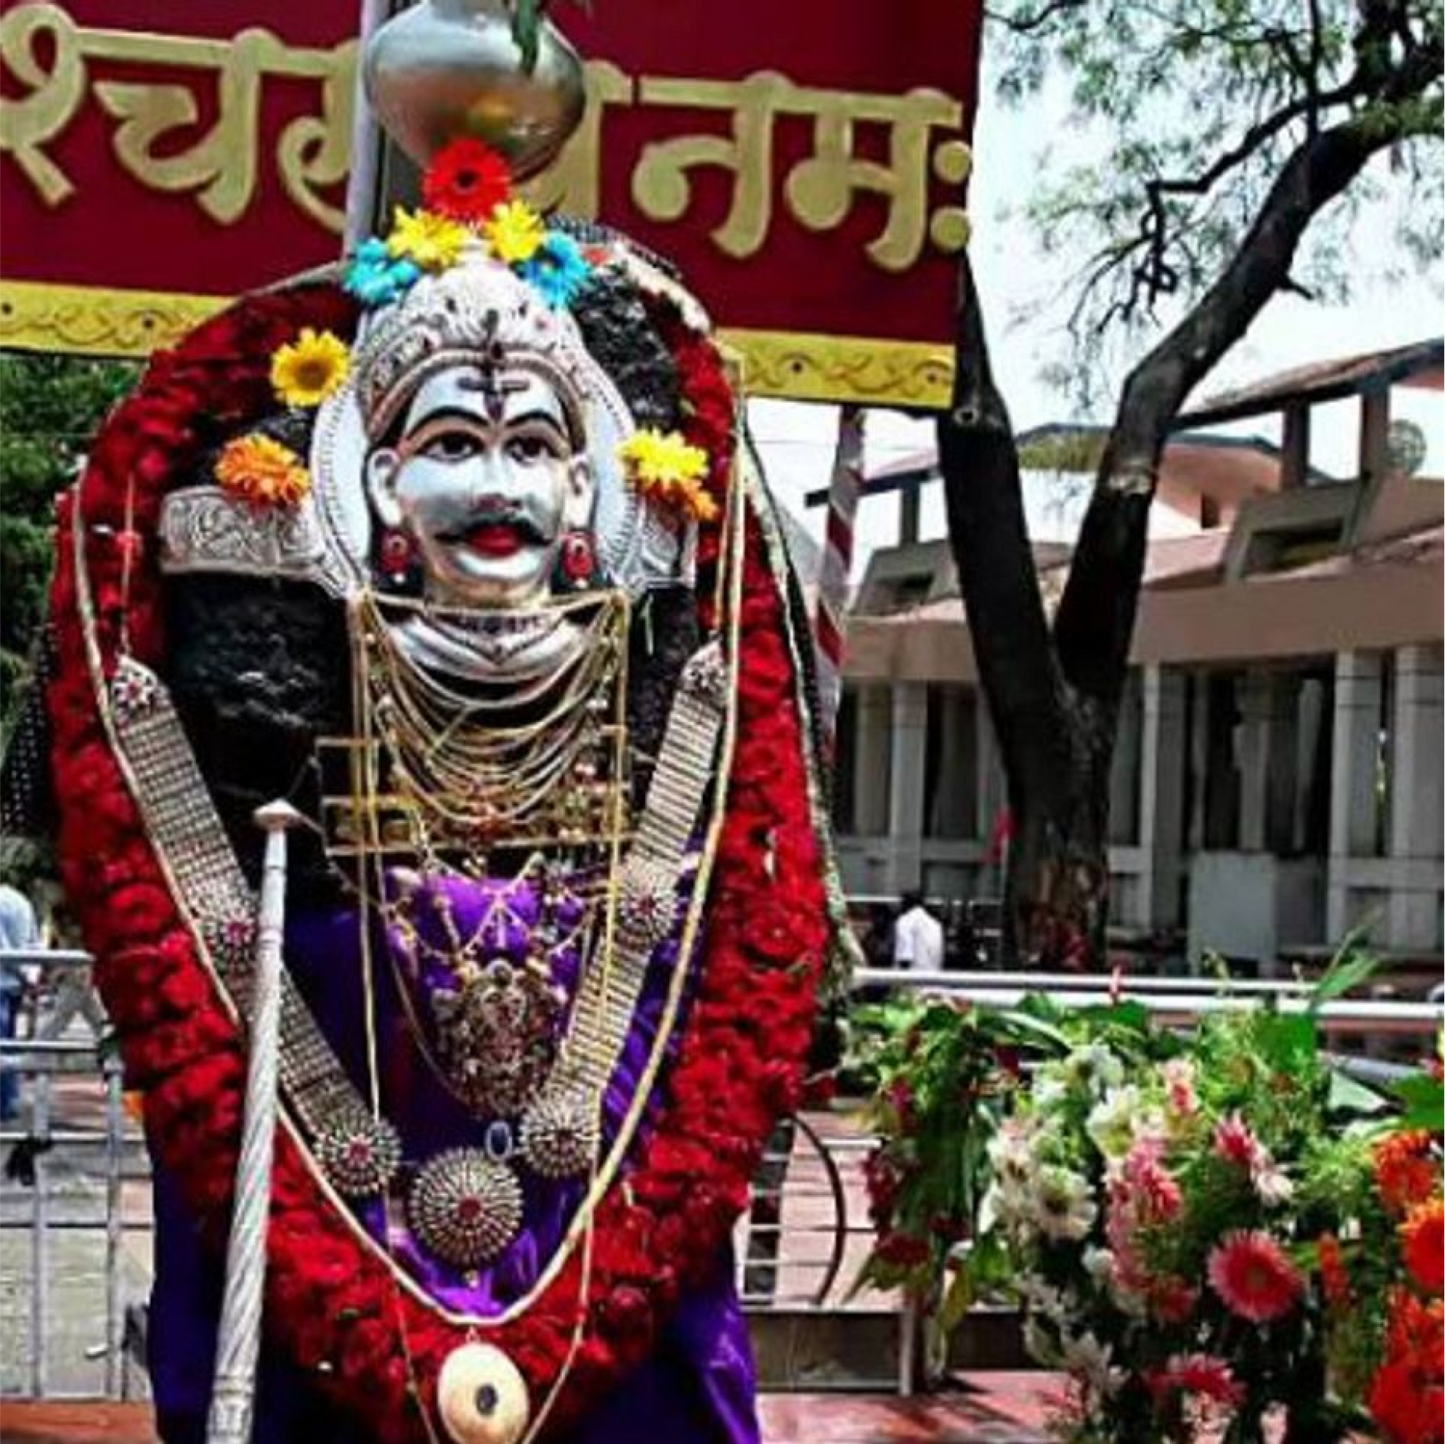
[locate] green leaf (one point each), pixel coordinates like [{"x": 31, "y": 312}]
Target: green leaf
[
  {"x": 1347, "y": 1095},
  {"x": 1424, "y": 1100},
  {"x": 958, "y": 1299},
  {"x": 1348, "y": 969}
]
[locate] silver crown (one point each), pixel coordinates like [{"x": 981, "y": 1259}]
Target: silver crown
[{"x": 478, "y": 311}]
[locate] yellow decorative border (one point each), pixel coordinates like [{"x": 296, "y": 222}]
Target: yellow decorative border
[{"x": 804, "y": 366}]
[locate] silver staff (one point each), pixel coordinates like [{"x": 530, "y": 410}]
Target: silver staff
[{"x": 234, "y": 1394}]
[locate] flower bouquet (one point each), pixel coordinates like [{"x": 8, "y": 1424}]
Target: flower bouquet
[{"x": 1213, "y": 1237}]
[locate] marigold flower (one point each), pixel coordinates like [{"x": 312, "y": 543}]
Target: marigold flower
[
  {"x": 466, "y": 181},
  {"x": 310, "y": 368},
  {"x": 1405, "y": 1173},
  {"x": 430, "y": 241},
  {"x": 669, "y": 470},
  {"x": 1422, "y": 1236},
  {"x": 515, "y": 231},
  {"x": 1249, "y": 1271},
  {"x": 262, "y": 471}
]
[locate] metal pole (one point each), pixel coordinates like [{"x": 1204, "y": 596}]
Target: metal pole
[
  {"x": 830, "y": 617},
  {"x": 362, "y": 179},
  {"x": 114, "y": 1145},
  {"x": 39, "y": 1253},
  {"x": 234, "y": 1393}
]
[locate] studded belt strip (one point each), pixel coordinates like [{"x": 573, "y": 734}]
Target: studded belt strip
[
  {"x": 359, "y": 1153},
  {"x": 560, "y": 1126}
]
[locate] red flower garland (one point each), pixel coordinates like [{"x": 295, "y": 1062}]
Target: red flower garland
[{"x": 333, "y": 1303}]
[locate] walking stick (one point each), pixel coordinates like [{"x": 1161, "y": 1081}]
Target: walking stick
[{"x": 234, "y": 1393}]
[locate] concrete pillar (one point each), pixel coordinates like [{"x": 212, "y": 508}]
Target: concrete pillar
[
  {"x": 1268, "y": 764},
  {"x": 906, "y": 793},
  {"x": 1354, "y": 751},
  {"x": 872, "y": 760},
  {"x": 1416, "y": 798},
  {"x": 1161, "y": 794},
  {"x": 1295, "y": 451},
  {"x": 1198, "y": 760}
]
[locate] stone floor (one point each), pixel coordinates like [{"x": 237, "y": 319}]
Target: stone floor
[{"x": 982, "y": 1409}]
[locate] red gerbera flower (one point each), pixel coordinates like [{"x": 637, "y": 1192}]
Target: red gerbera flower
[
  {"x": 466, "y": 181},
  {"x": 1201, "y": 1374},
  {"x": 1250, "y": 1272},
  {"x": 1423, "y": 1237}
]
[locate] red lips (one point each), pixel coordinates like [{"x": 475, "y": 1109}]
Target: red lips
[{"x": 494, "y": 539}]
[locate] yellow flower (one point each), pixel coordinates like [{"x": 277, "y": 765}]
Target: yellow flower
[
  {"x": 431, "y": 241},
  {"x": 516, "y": 232},
  {"x": 667, "y": 469},
  {"x": 310, "y": 368},
  {"x": 262, "y": 471}
]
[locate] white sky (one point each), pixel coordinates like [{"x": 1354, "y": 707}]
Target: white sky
[{"x": 796, "y": 440}]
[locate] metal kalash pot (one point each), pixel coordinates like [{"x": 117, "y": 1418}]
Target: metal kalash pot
[{"x": 468, "y": 67}]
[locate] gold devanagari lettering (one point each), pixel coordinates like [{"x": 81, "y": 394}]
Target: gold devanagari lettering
[
  {"x": 661, "y": 185},
  {"x": 315, "y": 151},
  {"x": 820, "y": 190},
  {"x": 221, "y": 166},
  {"x": 54, "y": 94}
]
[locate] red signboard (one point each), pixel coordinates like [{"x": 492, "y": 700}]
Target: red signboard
[{"x": 802, "y": 162}]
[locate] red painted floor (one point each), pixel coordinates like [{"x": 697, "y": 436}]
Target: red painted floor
[{"x": 986, "y": 1409}]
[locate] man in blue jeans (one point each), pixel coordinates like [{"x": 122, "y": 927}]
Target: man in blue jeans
[{"x": 18, "y": 929}]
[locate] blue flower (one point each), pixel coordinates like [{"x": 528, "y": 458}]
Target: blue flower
[
  {"x": 376, "y": 277},
  {"x": 558, "y": 270}
]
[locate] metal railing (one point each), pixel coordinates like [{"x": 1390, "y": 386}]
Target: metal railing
[
  {"x": 37, "y": 1203},
  {"x": 798, "y": 1248}
]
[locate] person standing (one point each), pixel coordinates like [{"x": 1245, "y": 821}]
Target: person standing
[
  {"x": 917, "y": 937},
  {"x": 18, "y": 929}
]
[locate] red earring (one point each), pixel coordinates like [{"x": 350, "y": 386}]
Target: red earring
[
  {"x": 397, "y": 555},
  {"x": 577, "y": 559}
]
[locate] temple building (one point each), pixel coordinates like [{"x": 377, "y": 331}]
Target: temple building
[{"x": 1277, "y": 780}]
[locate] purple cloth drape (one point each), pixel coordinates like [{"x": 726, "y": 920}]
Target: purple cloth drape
[{"x": 698, "y": 1385}]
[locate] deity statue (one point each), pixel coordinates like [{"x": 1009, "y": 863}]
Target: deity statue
[{"x": 459, "y": 550}]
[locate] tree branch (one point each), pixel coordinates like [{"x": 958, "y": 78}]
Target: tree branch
[
  {"x": 1095, "y": 620},
  {"x": 1008, "y": 627},
  {"x": 1031, "y": 24}
]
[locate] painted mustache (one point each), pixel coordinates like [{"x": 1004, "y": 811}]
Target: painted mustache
[{"x": 529, "y": 525}]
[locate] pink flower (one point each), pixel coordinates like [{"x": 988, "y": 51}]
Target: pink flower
[
  {"x": 1202, "y": 1374},
  {"x": 1234, "y": 1141},
  {"x": 1179, "y": 1081},
  {"x": 1250, "y": 1272},
  {"x": 1172, "y": 1300},
  {"x": 1154, "y": 1187}
]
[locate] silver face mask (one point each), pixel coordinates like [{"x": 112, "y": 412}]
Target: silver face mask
[{"x": 486, "y": 480}]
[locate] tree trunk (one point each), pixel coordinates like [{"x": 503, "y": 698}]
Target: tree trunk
[{"x": 1054, "y": 693}]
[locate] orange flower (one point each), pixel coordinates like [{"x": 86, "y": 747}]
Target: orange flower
[
  {"x": 262, "y": 471},
  {"x": 1423, "y": 1237},
  {"x": 1333, "y": 1278},
  {"x": 1405, "y": 1173}
]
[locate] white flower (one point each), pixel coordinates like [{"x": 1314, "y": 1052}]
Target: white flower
[
  {"x": 1011, "y": 1152},
  {"x": 1271, "y": 1182},
  {"x": 1094, "y": 1068},
  {"x": 1047, "y": 1089},
  {"x": 1099, "y": 1264},
  {"x": 1064, "y": 1206},
  {"x": 1110, "y": 1124},
  {"x": 1009, "y": 1209},
  {"x": 1088, "y": 1361}
]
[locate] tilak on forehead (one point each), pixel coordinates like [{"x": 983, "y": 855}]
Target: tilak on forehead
[{"x": 481, "y": 317}]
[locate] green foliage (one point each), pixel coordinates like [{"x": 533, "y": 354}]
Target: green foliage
[
  {"x": 50, "y": 407},
  {"x": 1182, "y": 117}
]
